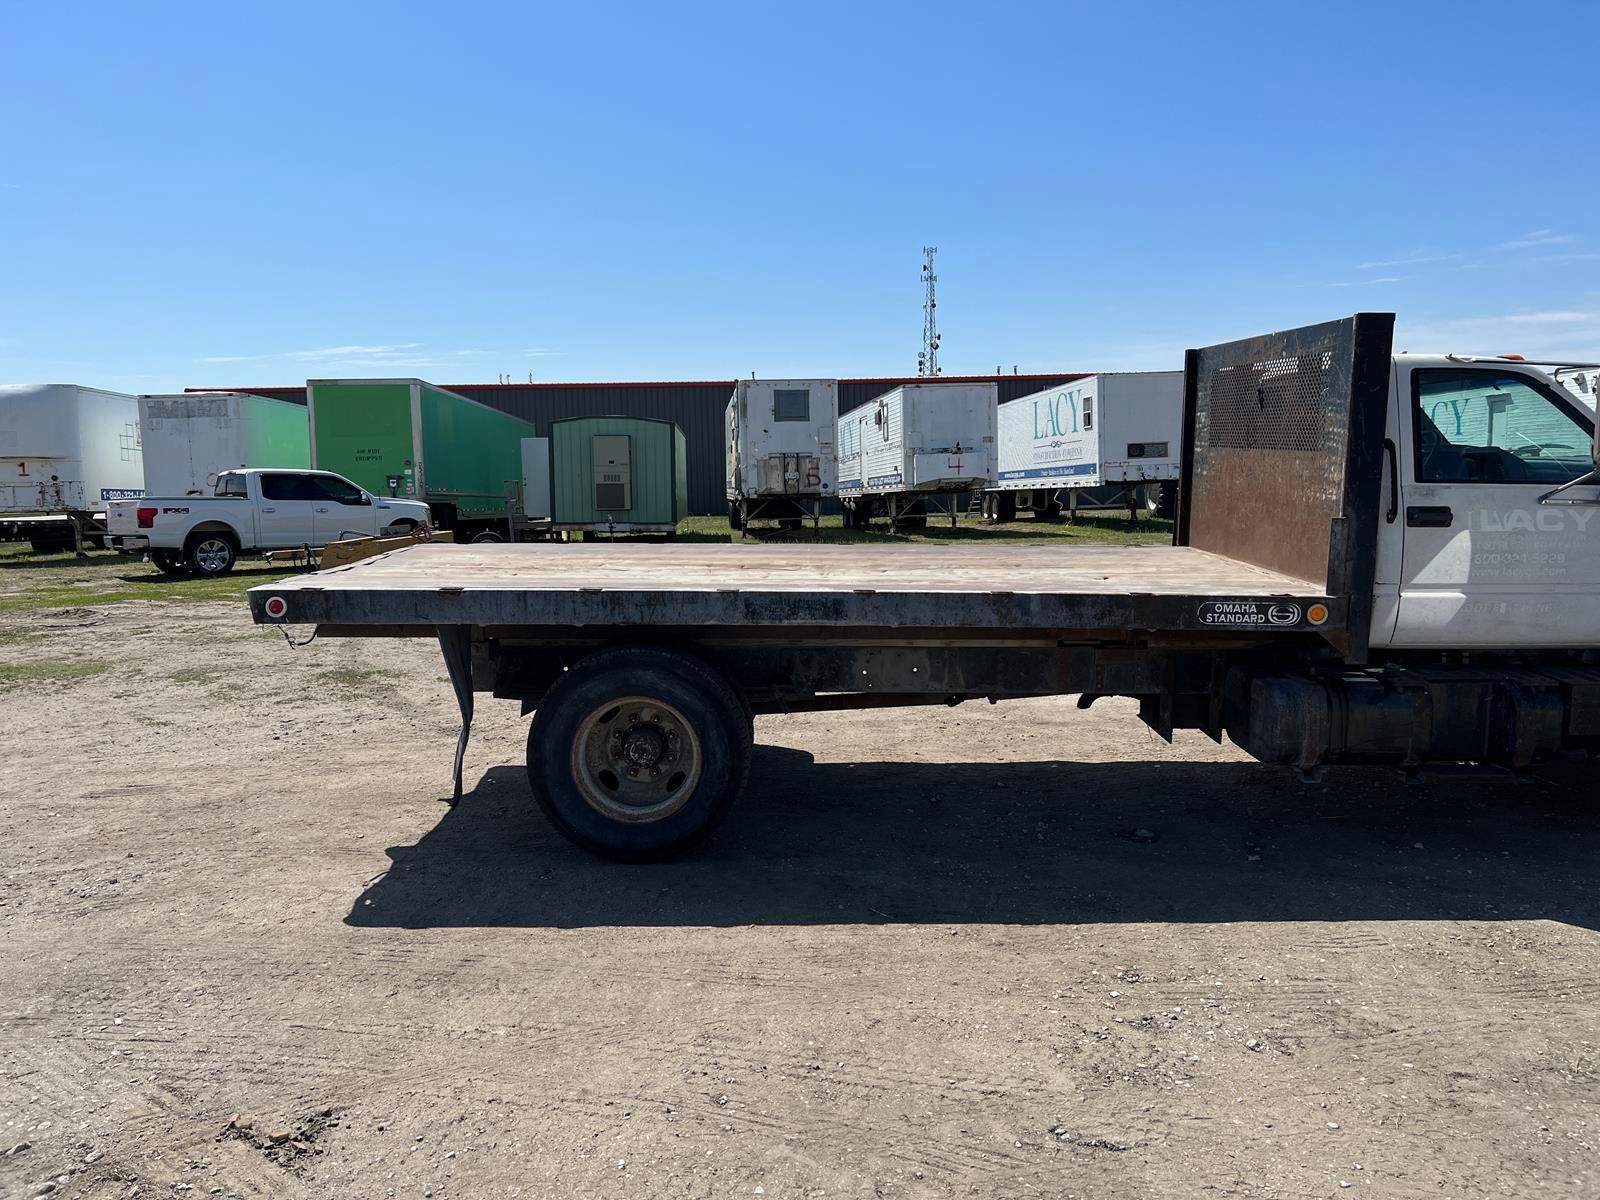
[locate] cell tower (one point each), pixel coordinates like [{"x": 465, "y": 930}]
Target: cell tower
[{"x": 928, "y": 360}]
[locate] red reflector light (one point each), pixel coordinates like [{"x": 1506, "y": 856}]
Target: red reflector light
[
  {"x": 276, "y": 606},
  {"x": 147, "y": 518}
]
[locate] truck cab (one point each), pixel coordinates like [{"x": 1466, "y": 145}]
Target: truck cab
[{"x": 1487, "y": 536}]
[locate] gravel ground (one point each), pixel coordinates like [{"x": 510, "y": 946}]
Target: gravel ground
[{"x": 1010, "y": 951}]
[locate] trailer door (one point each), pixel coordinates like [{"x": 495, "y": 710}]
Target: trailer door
[{"x": 1486, "y": 562}]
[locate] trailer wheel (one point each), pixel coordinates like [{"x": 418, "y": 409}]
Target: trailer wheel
[
  {"x": 488, "y": 535},
  {"x": 210, "y": 553},
  {"x": 735, "y": 515},
  {"x": 637, "y": 752}
]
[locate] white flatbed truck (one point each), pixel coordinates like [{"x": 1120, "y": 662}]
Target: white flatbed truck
[{"x": 1378, "y": 560}]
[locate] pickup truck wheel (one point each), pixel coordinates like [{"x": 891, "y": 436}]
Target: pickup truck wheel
[
  {"x": 210, "y": 553},
  {"x": 637, "y": 752},
  {"x": 169, "y": 562}
]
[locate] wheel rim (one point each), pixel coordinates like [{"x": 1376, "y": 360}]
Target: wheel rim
[
  {"x": 212, "y": 554},
  {"x": 636, "y": 759}
]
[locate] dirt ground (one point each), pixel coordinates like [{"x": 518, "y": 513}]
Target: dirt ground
[{"x": 995, "y": 952}]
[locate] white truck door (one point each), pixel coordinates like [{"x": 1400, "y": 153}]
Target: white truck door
[
  {"x": 284, "y": 512},
  {"x": 339, "y": 509},
  {"x": 1485, "y": 562}
]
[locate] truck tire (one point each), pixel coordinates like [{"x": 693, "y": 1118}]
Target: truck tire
[
  {"x": 210, "y": 553},
  {"x": 1160, "y": 499},
  {"x": 637, "y": 752},
  {"x": 735, "y": 515},
  {"x": 487, "y": 535},
  {"x": 169, "y": 562},
  {"x": 50, "y": 545}
]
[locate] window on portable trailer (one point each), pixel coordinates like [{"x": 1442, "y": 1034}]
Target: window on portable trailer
[{"x": 791, "y": 404}]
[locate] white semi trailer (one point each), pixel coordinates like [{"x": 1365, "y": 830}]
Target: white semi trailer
[
  {"x": 780, "y": 458},
  {"x": 65, "y": 451},
  {"x": 913, "y": 444},
  {"x": 1118, "y": 431},
  {"x": 190, "y": 438}
]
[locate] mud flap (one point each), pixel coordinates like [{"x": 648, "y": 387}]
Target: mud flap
[{"x": 455, "y": 641}]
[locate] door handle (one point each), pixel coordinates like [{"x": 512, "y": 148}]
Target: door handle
[
  {"x": 1429, "y": 516},
  {"x": 1394, "y": 480},
  {"x": 321, "y": 510},
  {"x": 269, "y": 510}
]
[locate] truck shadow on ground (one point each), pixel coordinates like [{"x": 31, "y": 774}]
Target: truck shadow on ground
[{"x": 1028, "y": 843}]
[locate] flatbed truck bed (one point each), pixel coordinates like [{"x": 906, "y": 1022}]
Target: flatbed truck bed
[
  {"x": 1000, "y": 588},
  {"x": 644, "y": 666}
]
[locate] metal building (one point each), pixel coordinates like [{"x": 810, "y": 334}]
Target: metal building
[{"x": 695, "y": 407}]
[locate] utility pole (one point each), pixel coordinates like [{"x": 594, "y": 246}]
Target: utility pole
[{"x": 928, "y": 360}]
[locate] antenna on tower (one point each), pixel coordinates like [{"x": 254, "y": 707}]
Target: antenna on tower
[{"x": 928, "y": 360}]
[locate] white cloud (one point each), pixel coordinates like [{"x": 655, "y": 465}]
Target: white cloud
[
  {"x": 346, "y": 353},
  {"x": 1554, "y": 333},
  {"x": 1413, "y": 260},
  {"x": 540, "y": 353},
  {"x": 1367, "y": 282},
  {"x": 1537, "y": 239}
]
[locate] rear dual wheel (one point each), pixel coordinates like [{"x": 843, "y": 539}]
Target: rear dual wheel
[{"x": 638, "y": 752}]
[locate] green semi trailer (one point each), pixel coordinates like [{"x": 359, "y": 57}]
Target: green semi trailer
[{"x": 409, "y": 438}]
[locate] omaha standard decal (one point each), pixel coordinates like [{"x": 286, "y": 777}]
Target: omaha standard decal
[{"x": 1242, "y": 614}]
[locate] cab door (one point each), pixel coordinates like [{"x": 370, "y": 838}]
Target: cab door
[
  {"x": 339, "y": 509},
  {"x": 1487, "y": 559},
  {"x": 283, "y": 515}
]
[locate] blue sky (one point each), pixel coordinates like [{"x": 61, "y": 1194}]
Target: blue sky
[{"x": 241, "y": 194}]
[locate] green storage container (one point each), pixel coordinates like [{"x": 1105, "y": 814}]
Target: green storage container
[
  {"x": 621, "y": 473},
  {"x": 405, "y": 437}
]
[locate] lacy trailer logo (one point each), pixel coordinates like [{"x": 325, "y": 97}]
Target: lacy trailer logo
[{"x": 1247, "y": 614}]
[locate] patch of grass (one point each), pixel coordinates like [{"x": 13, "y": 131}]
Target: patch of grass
[
  {"x": 69, "y": 582},
  {"x": 49, "y": 670},
  {"x": 354, "y": 678},
  {"x": 1099, "y": 528},
  {"x": 15, "y": 633},
  {"x": 200, "y": 675}
]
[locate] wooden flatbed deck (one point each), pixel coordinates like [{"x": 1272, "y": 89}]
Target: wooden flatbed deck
[{"x": 698, "y": 585}]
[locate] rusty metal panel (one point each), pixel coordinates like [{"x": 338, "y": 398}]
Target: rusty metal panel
[{"x": 1283, "y": 456}]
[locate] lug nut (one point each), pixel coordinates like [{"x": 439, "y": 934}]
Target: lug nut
[
  {"x": 633, "y": 770},
  {"x": 655, "y": 772}
]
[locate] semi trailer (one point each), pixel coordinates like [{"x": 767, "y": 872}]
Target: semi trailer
[
  {"x": 779, "y": 450},
  {"x": 913, "y": 444},
  {"x": 1119, "y": 431},
  {"x": 1376, "y": 560},
  {"x": 65, "y": 452},
  {"x": 190, "y": 438},
  {"x": 411, "y": 440}
]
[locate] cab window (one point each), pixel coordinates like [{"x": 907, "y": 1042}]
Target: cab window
[
  {"x": 329, "y": 487},
  {"x": 231, "y": 485},
  {"x": 1486, "y": 426},
  {"x": 284, "y": 487}
]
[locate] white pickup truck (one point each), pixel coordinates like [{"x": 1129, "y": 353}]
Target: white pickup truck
[{"x": 253, "y": 510}]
